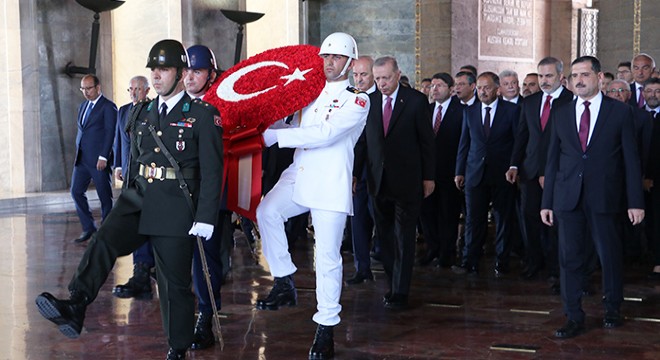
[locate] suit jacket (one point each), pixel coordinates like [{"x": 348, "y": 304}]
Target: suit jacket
[
  {"x": 195, "y": 141},
  {"x": 608, "y": 172},
  {"x": 480, "y": 158},
  {"x": 122, "y": 145},
  {"x": 95, "y": 137},
  {"x": 531, "y": 145},
  {"x": 633, "y": 95},
  {"x": 447, "y": 139},
  {"x": 399, "y": 162}
]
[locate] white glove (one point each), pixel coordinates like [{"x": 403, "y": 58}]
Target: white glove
[
  {"x": 270, "y": 137},
  {"x": 201, "y": 230}
]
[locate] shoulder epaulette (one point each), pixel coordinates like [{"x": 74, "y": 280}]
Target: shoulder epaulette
[
  {"x": 199, "y": 103},
  {"x": 355, "y": 90}
]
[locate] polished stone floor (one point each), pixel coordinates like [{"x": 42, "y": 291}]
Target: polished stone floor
[{"x": 452, "y": 316}]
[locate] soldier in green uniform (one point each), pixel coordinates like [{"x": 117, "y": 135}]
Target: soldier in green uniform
[{"x": 154, "y": 207}]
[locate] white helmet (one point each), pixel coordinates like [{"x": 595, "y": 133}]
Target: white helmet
[{"x": 339, "y": 43}]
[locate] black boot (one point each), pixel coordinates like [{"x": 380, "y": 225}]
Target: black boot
[
  {"x": 324, "y": 344},
  {"x": 174, "y": 354},
  {"x": 283, "y": 293},
  {"x": 138, "y": 286},
  {"x": 204, "y": 336},
  {"x": 68, "y": 315}
]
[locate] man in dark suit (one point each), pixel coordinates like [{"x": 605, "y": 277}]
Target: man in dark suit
[
  {"x": 643, "y": 67},
  {"x": 652, "y": 173},
  {"x": 592, "y": 175},
  {"x": 483, "y": 158},
  {"x": 97, "y": 118},
  {"x": 528, "y": 163},
  {"x": 139, "y": 285},
  {"x": 441, "y": 210},
  {"x": 399, "y": 149},
  {"x": 138, "y": 89},
  {"x": 510, "y": 87}
]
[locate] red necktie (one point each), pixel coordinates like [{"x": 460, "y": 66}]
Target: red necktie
[
  {"x": 640, "y": 100},
  {"x": 585, "y": 119},
  {"x": 545, "y": 115},
  {"x": 487, "y": 122},
  {"x": 387, "y": 114},
  {"x": 438, "y": 120}
]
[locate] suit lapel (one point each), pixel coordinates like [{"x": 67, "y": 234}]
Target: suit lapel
[
  {"x": 377, "y": 106},
  {"x": 605, "y": 107},
  {"x": 399, "y": 104}
]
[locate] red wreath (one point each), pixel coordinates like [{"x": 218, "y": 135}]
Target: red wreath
[
  {"x": 266, "y": 87},
  {"x": 251, "y": 96}
]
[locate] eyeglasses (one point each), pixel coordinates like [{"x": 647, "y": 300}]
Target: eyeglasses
[
  {"x": 86, "y": 88},
  {"x": 617, "y": 91}
]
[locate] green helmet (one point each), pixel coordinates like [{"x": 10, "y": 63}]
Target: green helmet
[{"x": 168, "y": 53}]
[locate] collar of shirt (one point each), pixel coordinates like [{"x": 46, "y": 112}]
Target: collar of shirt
[
  {"x": 492, "y": 106},
  {"x": 393, "y": 96},
  {"x": 647, "y": 108},
  {"x": 193, "y": 97},
  {"x": 594, "y": 107},
  {"x": 171, "y": 102},
  {"x": 555, "y": 94},
  {"x": 512, "y": 100},
  {"x": 95, "y": 100},
  {"x": 445, "y": 105},
  {"x": 371, "y": 89},
  {"x": 469, "y": 102}
]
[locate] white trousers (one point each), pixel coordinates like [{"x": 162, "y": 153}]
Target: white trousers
[{"x": 273, "y": 211}]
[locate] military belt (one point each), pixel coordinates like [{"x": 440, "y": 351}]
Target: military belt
[{"x": 161, "y": 173}]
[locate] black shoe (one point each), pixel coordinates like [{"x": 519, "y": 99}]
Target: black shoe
[
  {"x": 569, "y": 330},
  {"x": 174, "y": 354},
  {"x": 427, "y": 259},
  {"x": 283, "y": 293},
  {"x": 396, "y": 302},
  {"x": 460, "y": 270},
  {"x": 612, "y": 319},
  {"x": 324, "y": 344},
  {"x": 531, "y": 272},
  {"x": 203, "y": 337},
  {"x": 68, "y": 315},
  {"x": 387, "y": 296},
  {"x": 501, "y": 269},
  {"x": 653, "y": 276},
  {"x": 84, "y": 236},
  {"x": 360, "y": 278},
  {"x": 138, "y": 286}
]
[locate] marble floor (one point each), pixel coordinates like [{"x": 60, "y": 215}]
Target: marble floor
[{"x": 451, "y": 316}]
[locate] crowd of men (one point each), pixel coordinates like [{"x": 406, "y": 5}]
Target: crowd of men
[{"x": 564, "y": 165}]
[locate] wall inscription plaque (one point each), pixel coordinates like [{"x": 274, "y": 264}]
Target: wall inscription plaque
[{"x": 506, "y": 30}]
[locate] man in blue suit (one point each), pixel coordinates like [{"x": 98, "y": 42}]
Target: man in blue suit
[
  {"x": 484, "y": 151},
  {"x": 97, "y": 118},
  {"x": 592, "y": 176},
  {"x": 138, "y": 89}
]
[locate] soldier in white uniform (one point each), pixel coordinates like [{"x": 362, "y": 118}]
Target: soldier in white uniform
[{"x": 319, "y": 180}]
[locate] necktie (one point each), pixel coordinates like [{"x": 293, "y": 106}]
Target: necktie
[
  {"x": 163, "y": 112},
  {"x": 640, "y": 100},
  {"x": 545, "y": 115},
  {"x": 88, "y": 111},
  {"x": 387, "y": 114},
  {"x": 487, "y": 122},
  {"x": 438, "y": 120},
  {"x": 585, "y": 119}
]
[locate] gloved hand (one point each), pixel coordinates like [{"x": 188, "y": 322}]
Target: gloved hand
[{"x": 201, "y": 230}]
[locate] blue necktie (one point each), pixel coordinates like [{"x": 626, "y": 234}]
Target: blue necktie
[{"x": 87, "y": 112}]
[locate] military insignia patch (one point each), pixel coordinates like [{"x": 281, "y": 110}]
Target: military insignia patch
[
  {"x": 217, "y": 120},
  {"x": 190, "y": 120},
  {"x": 180, "y": 145},
  {"x": 360, "y": 102},
  {"x": 186, "y": 107}
]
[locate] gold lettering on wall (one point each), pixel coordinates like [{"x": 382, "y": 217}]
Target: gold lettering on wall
[{"x": 506, "y": 29}]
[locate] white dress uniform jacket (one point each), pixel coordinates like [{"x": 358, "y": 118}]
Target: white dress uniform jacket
[{"x": 324, "y": 140}]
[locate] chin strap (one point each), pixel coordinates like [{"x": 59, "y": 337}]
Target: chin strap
[{"x": 178, "y": 78}]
